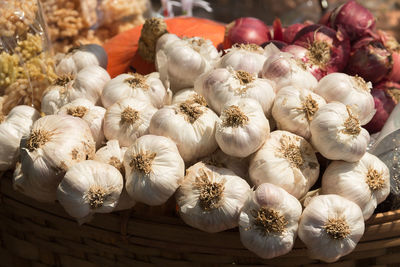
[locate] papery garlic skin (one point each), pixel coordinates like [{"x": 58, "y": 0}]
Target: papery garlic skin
[
  {"x": 18, "y": 123},
  {"x": 181, "y": 61},
  {"x": 154, "y": 169},
  {"x": 336, "y": 133},
  {"x": 220, "y": 86},
  {"x": 285, "y": 70},
  {"x": 54, "y": 144},
  {"x": 331, "y": 227},
  {"x": 188, "y": 94},
  {"x": 211, "y": 213},
  {"x": 294, "y": 109},
  {"x": 190, "y": 125},
  {"x": 148, "y": 88},
  {"x": 269, "y": 239},
  {"x": 127, "y": 120},
  {"x": 90, "y": 187},
  {"x": 349, "y": 90},
  {"x": 56, "y": 95},
  {"x": 242, "y": 128},
  {"x": 286, "y": 160},
  {"x": 366, "y": 182}
]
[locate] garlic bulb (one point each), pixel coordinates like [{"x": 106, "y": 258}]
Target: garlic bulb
[
  {"x": 90, "y": 187},
  {"x": 286, "y": 160},
  {"x": 56, "y": 95},
  {"x": 246, "y": 57},
  {"x": 78, "y": 58},
  {"x": 210, "y": 198},
  {"x": 112, "y": 154},
  {"x": 349, "y": 90},
  {"x": 181, "y": 61},
  {"x": 188, "y": 94},
  {"x": 190, "y": 125},
  {"x": 148, "y": 88},
  {"x": 330, "y": 227},
  {"x": 54, "y": 144},
  {"x": 17, "y": 124},
  {"x": 336, "y": 133},
  {"x": 154, "y": 169},
  {"x": 366, "y": 182},
  {"x": 269, "y": 221},
  {"x": 127, "y": 120},
  {"x": 294, "y": 109},
  {"x": 286, "y": 70},
  {"x": 93, "y": 115},
  {"x": 222, "y": 85},
  {"x": 242, "y": 129}
]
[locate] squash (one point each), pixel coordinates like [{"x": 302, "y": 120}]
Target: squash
[{"x": 122, "y": 49}]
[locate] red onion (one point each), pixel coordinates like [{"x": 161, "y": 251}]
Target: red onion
[
  {"x": 277, "y": 30},
  {"x": 354, "y": 19},
  {"x": 393, "y": 46},
  {"x": 246, "y": 30},
  {"x": 290, "y": 32},
  {"x": 327, "y": 50},
  {"x": 369, "y": 59}
]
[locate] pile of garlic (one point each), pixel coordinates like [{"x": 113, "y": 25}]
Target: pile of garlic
[{"x": 233, "y": 138}]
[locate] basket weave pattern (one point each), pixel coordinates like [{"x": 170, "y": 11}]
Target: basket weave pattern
[{"x": 37, "y": 234}]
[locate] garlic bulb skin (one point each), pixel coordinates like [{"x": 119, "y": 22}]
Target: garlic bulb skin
[
  {"x": 56, "y": 95},
  {"x": 349, "y": 90},
  {"x": 366, "y": 182},
  {"x": 336, "y": 133},
  {"x": 222, "y": 85},
  {"x": 54, "y": 144},
  {"x": 127, "y": 120},
  {"x": 18, "y": 123},
  {"x": 148, "y": 88},
  {"x": 285, "y": 70},
  {"x": 269, "y": 221},
  {"x": 286, "y": 160},
  {"x": 93, "y": 115},
  {"x": 188, "y": 94},
  {"x": 331, "y": 227},
  {"x": 90, "y": 187},
  {"x": 154, "y": 169},
  {"x": 242, "y": 128},
  {"x": 210, "y": 198},
  {"x": 247, "y": 57},
  {"x": 190, "y": 125},
  {"x": 294, "y": 109}
]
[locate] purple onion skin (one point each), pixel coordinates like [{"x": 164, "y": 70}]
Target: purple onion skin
[
  {"x": 354, "y": 19},
  {"x": 278, "y": 44},
  {"x": 370, "y": 60}
]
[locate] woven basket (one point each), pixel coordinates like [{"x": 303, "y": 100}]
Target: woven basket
[{"x": 37, "y": 234}]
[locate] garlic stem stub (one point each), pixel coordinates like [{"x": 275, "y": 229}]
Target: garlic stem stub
[
  {"x": 365, "y": 182},
  {"x": 269, "y": 220},
  {"x": 210, "y": 198},
  {"x": 331, "y": 227},
  {"x": 337, "y": 134}
]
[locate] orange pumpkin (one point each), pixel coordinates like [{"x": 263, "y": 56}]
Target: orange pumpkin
[{"x": 122, "y": 49}]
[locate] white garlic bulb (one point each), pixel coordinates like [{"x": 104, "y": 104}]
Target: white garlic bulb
[
  {"x": 12, "y": 127},
  {"x": 247, "y": 57},
  {"x": 349, "y": 90},
  {"x": 336, "y": 133},
  {"x": 286, "y": 70},
  {"x": 181, "y": 61},
  {"x": 54, "y": 144},
  {"x": 93, "y": 115},
  {"x": 366, "y": 182},
  {"x": 222, "y": 85},
  {"x": 148, "y": 88},
  {"x": 286, "y": 160},
  {"x": 77, "y": 59},
  {"x": 188, "y": 94},
  {"x": 190, "y": 125},
  {"x": 154, "y": 169},
  {"x": 243, "y": 127},
  {"x": 269, "y": 221},
  {"x": 210, "y": 198},
  {"x": 330, "y": 227},
  {"x": 127, "y": 120},
  {"x": 90, "y": 187},
  {"x": 294, "y": 109},
  {"x": 56, "y": 95}
]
